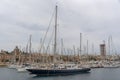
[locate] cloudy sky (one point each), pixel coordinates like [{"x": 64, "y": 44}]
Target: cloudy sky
[{"x": 95, "y": 19}]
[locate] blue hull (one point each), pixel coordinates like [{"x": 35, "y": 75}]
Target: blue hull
[{"x": 40, "y": 72}]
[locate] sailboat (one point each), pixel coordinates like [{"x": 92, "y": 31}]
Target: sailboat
[{"x": 57, "y": 69}]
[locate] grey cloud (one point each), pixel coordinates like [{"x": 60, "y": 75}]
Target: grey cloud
[
  {"x": 33, "y": 27},
  {"x": 97, "y": 18}
]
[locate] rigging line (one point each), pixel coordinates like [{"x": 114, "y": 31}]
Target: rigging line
[
  {"x": 60, "y": 34},
  {"x": 46, "y": 32},
  {"x": 50, "y": 41}
]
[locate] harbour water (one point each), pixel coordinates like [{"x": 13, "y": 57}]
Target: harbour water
[{"x": 95, "y": 74}]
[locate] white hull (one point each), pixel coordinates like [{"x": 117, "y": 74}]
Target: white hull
[
  {"x": 22, "y": 69},
  {"x": 13, "y": 66}
]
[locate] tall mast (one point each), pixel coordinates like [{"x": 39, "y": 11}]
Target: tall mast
[
  {"x": 62, "y": 47},
  {"x": 109, "y": 45},
  {"x": 30, "y": 44},
  {"x": 55, "y": 37},
  {"x": 55, "y": 44},
  {"x": 93, "y": 49},
  {"x": 80, "y": 43},
  {"x": 87, "y": 47}
]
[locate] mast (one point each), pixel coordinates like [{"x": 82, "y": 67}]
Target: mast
[
  {"x": 55, "y": 36},
  {"x": 108, "y": 45},
  {"x": 80, "y": 43},
  {"x": 74, "y": 53},
  {"x": 55, "y": 43},
  {"x": 87, "y": 47},
  {"x": 30, "y": 44},
  {"x": 92, "y": 49},
  {"x": 61, "y": 46}
]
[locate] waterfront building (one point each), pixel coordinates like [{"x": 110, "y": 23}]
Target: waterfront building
[{"x": 103, "y": 50}]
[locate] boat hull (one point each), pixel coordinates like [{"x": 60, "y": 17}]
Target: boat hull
[{"x": 40, "y": 72}]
